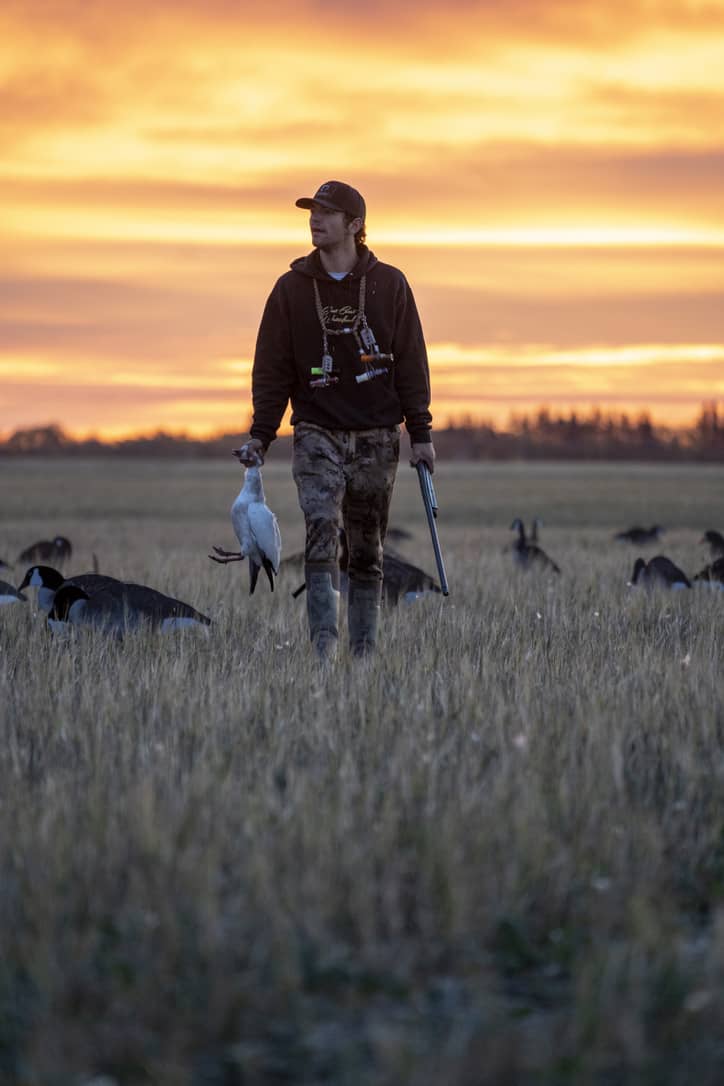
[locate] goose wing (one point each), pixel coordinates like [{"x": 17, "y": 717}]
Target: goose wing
[
  {"x": 36, "y": 552},
  {"x": 538, "y": 555},
  {"x": 117, "y": 607},
  {"x": 713, "y": 572},
  {"x": 633, "y": 535},
  {"x": 155, "y": 605},
  {"x": 668, "y": 571},
  {"x": 265, "y": 533},
  {"x": 92, "y": 582},
  {"x": 400, "y": 577},
  {"x": 239, "y": 521}
]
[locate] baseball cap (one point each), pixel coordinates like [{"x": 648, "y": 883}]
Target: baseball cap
[{"x": 337, "y": 196}]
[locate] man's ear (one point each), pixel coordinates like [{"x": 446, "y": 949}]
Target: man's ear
[{"x": 354, "y": 225}]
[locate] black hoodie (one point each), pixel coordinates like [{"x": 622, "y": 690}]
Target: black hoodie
[{"x": 289, "y": 347}]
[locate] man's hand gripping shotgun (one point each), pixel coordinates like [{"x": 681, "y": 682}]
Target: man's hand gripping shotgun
[{"x": 430, "y": 502}]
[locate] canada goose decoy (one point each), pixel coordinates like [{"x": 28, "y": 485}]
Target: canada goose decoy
[
  {"x": 403, "y": 580},
  {"x": 712, "y": 574},
  {"x": 529, "y": 555},
  {"x": 640, "y": 535},
  {"x": 9, "y": 594},
  {"x": 257, "y": 530},
  {"x": 46, "y": 550},
  {"x": 659, "y": 571},
  {"x": 536, "y": 523},
  {"x": 400, "y": 579},
  {"x": 48, "y": 580},
  {"x": 120, "y": 607},
  {"x": 715, "y": 542}
]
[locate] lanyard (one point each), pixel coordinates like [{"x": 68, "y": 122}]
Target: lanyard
[{"x": 363, "y": 335}]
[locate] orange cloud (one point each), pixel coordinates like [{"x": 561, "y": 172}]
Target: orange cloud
[{"x": 546, "y": 173}]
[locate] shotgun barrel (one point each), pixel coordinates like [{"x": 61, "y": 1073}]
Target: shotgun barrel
[{"x": 430, "y": 502}]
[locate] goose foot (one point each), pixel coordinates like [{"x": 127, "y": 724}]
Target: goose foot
[{"x": 222, "y": 556}]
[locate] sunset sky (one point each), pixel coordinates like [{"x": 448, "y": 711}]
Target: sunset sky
[{"x": 549, "y": 174}]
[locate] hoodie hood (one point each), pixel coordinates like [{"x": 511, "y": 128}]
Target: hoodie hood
[{"x": 311, "y": 264}]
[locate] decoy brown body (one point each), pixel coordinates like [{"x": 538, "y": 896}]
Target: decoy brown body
[
  {"x": 120, "y": 607},
  {"x": 640, "y": 535},
  {"x": 527, "y": 554},
  {"x": 659, "y": 571},
  {"x": 47, "y": 550},
  {"x": 400, "y": 578},
  {"x": 715, "y": 542},
  {"x": 713, "y": 573}
]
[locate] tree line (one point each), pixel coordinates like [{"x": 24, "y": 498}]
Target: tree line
[{"x": 540, "y": 436}]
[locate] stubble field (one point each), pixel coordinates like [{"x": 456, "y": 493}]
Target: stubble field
[{"x": 493, "y": 854}]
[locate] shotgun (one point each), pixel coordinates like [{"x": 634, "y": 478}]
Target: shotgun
[{"x": 430, "y": 502}]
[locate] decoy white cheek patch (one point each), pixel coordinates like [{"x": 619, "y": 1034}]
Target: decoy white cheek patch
[{"x": 45, "y": 598}]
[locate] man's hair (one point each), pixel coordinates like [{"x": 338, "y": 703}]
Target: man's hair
[{"x": 361, "y": 236}]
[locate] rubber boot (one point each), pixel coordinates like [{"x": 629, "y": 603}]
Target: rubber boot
[
  {"x": 363, "y": 615},
  {"x": 323, "y": 613}
]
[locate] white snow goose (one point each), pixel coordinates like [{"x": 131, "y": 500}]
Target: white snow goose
[{"x": 257, "y": 530}]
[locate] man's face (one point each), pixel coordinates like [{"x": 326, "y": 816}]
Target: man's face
[{"x": 329, "y": 228}]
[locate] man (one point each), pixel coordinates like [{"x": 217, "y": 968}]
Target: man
[{"x": 340, "y": 336}]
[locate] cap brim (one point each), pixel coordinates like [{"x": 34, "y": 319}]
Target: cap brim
[{"x": 308, "y": 203}]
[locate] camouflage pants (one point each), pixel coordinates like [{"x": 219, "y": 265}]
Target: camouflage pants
[{"x": 345, "y": 478}]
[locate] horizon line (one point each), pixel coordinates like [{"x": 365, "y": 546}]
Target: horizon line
[{"x": 459, "y": 421}]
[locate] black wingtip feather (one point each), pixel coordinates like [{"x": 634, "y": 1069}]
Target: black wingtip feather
[{"x": 269, "y": 570}]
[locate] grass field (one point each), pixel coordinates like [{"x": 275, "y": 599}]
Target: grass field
[{"x": 493, "y": 854}]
